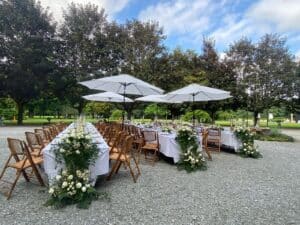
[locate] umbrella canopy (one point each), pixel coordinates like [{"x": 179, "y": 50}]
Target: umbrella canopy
[
  {"x": 107, "y": 97},
  {"x": 156, "y": 98},
  {"x": 123, "y": 84},
  {"x": 197, "y": 93}
]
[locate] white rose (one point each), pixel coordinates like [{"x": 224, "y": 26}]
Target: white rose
[
  {"x": 58, "y": 177},
  {"x": 78, "y": 185},
  {"x": 88, "y": 185},
  {"x": 64, "y": 184},
  {"x": 51, "y": 191},
  {"x": 77, "y": 152},
  {"x": 70, "y": 177},
  {"x": 83, "y": 189},
  {"x": 64, "y": 173},
  {"x": 62, "y": 150}
]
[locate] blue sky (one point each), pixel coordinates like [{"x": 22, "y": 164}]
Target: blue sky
[{"x": 186, "y": 22}]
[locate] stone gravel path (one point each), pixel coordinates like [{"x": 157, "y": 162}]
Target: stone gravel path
[{"x": 233, "y": 190}]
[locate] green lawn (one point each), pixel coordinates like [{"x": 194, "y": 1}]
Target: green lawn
[{"x": 40, "y": 121}]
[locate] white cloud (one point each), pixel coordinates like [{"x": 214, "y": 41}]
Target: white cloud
[
  {"x": 179, "y": 16},
  {"x": 111, "y": 6},
  {"x": 226, "y": 21},
  {"x": 297, "y": 55},
  {"x": 283, "y": 14}
]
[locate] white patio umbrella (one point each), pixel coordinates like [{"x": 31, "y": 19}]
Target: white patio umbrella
[
  {"x": 197, "y": 93},
  {"x": 157, "y": 99},
  {"x": 107, "y": 97},
  {"x": 123, "y": 84}
]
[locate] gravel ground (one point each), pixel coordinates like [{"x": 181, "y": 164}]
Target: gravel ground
[{"x": 233, "y": 190}]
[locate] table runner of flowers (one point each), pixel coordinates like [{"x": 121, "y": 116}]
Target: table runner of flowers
[
  {"x": 191, "y": 158},
  {"x": 72, "y": 185}
]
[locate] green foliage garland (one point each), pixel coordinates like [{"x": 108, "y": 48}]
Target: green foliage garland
[
  {"x": 247, "y": 138},
  {"x": 77, "y": 152},
  {"x": 72, "y": 186},
  {"x": 191, "y": 159}
]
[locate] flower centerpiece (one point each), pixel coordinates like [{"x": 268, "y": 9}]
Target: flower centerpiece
[
  {"x": 191, "y": 158},
  {"x": 72, "y": 185},
  {"x": 166, "y": 129},
  {"x": 246, "y": 136}
]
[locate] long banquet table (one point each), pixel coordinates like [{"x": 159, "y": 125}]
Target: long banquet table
[
  {"x": 170, "y": 148},
  {"x": 101, "y": 166}
]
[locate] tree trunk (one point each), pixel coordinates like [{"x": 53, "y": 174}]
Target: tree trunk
[
  {"x": 267, "y": 117},
  {"x": 255, "y": 117},
  {"x": 31, "y": 112},
  {"x": 20, "y": 113}
]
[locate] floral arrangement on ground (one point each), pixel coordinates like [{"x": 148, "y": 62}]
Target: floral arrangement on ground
[
  {"x": 246, "y": 136},
  {"x": 73, "y": 185},
  {"x": 191, "y": 158}
]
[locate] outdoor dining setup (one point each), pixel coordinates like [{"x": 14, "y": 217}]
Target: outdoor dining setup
[{"x": 73, "y": 156}]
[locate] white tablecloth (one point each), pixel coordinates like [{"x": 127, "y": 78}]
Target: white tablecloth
[
  {"x": 229, "y": 139},
  {"x": 169, "y": 146},
  {"x": 100, "y": 167}
]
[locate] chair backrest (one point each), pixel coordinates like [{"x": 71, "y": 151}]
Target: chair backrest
[
  {"x": 33, "y": 140},
  {"x": 214, "y": 132},
  {"x": 15, "y": 146},
  {"x": 128, "y": 143},
  {"x": 48, "y": 133},
  {"x": 42, "y": 134},
  {"x": 150, "y": 135},
  {"x": 204, "y": 137}
]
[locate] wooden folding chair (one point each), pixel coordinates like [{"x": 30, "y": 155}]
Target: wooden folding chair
[
  {"x": 204, "y": 143},
  {"x": 151, "y": 145},
  {"x": 48, "y": 133},
  {"x": 124, "y": 157},
  {"x": 35, "y": 143},
  {"x": 23, "y": 160},
  {"x": 42, "y": 133},
  {"x": 117, "y": 144},
  {"x": 214, "y": 137},
  {"x": 138, "y": 142}
]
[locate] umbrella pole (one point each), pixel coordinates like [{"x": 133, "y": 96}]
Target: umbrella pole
[
  {"x": 193, "y": 111},
  {"x": 124, "y": 106}
]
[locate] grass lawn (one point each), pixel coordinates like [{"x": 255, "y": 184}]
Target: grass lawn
[
  {"x": 40, "y": 121},
  {"x": 264, "y": 124}
]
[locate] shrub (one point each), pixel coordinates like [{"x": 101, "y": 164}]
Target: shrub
[
  {"x": 200, "y": 116},
  {"x": 116, "y": 114},
  {"x": 274, "y": 135},
  {"x": 225, "y": 115}
]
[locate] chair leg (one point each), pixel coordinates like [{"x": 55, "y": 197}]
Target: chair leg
[
  {"x": 117, "y": 170},
  {"x": 208, "y": 153},
  {"x": 113, "y": 169},
  {"x": 25, "y": 175},
  {"x": 38, "y": 175},
  {"x": 137, "y": 166},
  {"x": 14, "y": 184},
  {"x": 131, "y": 171},
  {"x": 5, "y": 167}
]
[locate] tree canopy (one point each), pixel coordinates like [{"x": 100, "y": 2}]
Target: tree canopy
[{"x": 41, "y": 62}]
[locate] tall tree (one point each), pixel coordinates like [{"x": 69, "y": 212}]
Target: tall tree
[
  {"x": 265, "y": 69},
  {"x": 81, "y": 25},
  {"x": 219, "y": 74},
  {"x": 26, "y": 50}
]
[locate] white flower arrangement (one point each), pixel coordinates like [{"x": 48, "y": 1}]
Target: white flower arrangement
[
  {"x": 71, "y": 186},
  {"x": 246, "y": 136}
]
